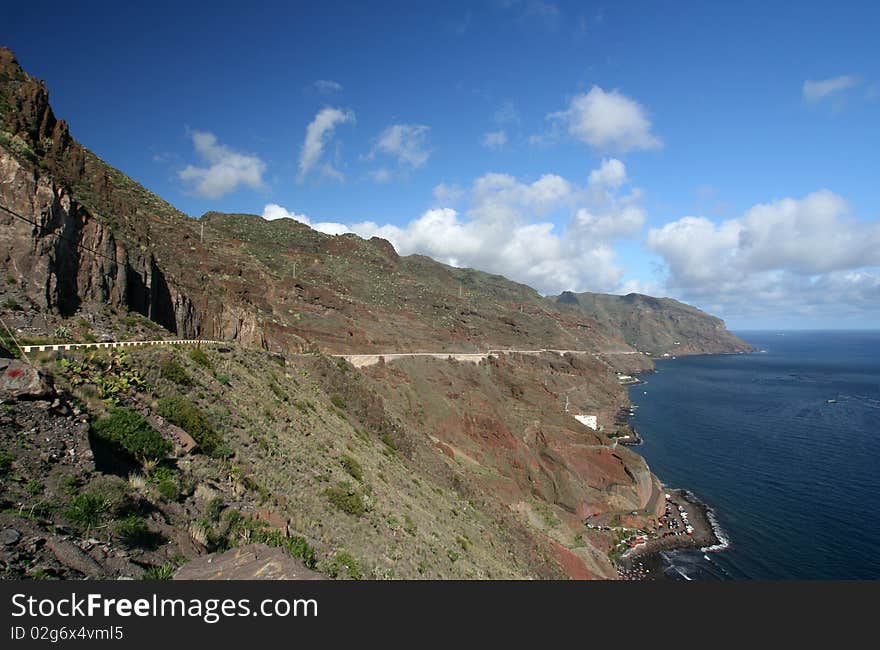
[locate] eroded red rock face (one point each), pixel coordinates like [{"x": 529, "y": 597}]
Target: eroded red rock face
[
  {"x": 503, "y": 423},
  {"x": 574, "y": 566}
]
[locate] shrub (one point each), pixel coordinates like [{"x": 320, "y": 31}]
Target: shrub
[
  {"x": 347, "y": 499},
  {"x": 129, "y": 431},
  {"x": 166, "y": 481},
  {"x": 173, "y": 371},
  {"x": 223, "y": 379},
  {"x": 133, "y": 531},
  {"x": 353, "y": 467},
  {"x": 33, "y": 487},
  {"x": 338, "y": 401},
  {"x": 161, "y": 572},
  {"x": 215, "y": 508},
  {"x": 5, "y": 462},
  {"x": 87, "y": 509},
  {"x": 198, "y": 355},
  {"x": 344, "y": 561},
  {"x": 62, "y": 332},
  {"x": 191, "y": 418},
  {"x": 297, "y": 546}
]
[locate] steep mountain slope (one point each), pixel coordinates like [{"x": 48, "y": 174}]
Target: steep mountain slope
[
  {"x": 91, "y": 236},
  {"x": 655, "y": 325},
  {"x": 419, "y": 468}
]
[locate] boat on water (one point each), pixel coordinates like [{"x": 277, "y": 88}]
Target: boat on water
[{"x": 831, "y": 401}]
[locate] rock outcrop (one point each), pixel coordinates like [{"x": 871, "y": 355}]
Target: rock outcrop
[{"x": 251, "y": 562}]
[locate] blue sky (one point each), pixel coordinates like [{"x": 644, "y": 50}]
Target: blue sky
[{"x": 723, "y": 155}]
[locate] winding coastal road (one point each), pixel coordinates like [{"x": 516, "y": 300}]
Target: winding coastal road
[{"x": 357, "y": 360}]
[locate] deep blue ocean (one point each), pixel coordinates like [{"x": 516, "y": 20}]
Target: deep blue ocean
[{"x": 794, "y": 481}]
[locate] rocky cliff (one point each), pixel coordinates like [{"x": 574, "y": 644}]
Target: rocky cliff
[
  {"x": 417, "y": 468},
  {"x": 655, "y": 325}
]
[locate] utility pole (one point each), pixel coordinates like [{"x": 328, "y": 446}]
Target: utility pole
[{"x": 202, "y": 235}]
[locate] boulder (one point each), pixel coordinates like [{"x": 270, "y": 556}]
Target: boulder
[
  {"x": 251, "y": 562},
  {"x": 21, "y": 380}
]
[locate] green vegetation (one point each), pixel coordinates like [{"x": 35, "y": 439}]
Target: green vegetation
[
  {"x": 34, "y": 487},
  {"x": 130, "y": 432},
  {"x": 347, "y": 499},
  {"x": 167, "y": 482},
  {"x": 133, "y": 532},
  {"x": 173, "y": 371},
  {"x": 62, "y": 333},
  {"x": 545, "y": 511},
  {"x": 162, "y": 572},
  {"x": 113, "y": 376},
  {"x": 87, "y": 510},
  {"x": 338, "y": 401},
  {"x": 134, "y": 320},
  {"x": 353, "y": 467},
  {"x": 198, "y": 356},
  {"x": 5, "y": 462},
  {"x": 235, "y": 528},
  {"x": 215, "y": 509},
  {"x": 191, "y": 418},
  {"x": 343, "y": 563}
]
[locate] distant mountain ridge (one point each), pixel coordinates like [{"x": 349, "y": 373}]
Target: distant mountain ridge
[
  {"x": 656, "y": 325},
  {"x": 420, "y": 467},
  {"x": 278, "y": 284}
]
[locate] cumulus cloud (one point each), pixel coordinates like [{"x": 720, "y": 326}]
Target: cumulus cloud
[
  {"x": 507, "y": 227},
  {"x": 611, "y": 173},
  {"x": 408, "y": 143},
  {"x": 608, "y": 121},
  {"x": 495, "y": 139},
  {"x": 273, "y": 211},
  {"x": 318, "y": 132},
  {"x": 794, "y": 255},
  {"x": 224, "y": 171},
  {"x": 816, "y": 91}
]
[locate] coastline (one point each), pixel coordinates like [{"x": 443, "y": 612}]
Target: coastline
[{"x": 645, "y": 561}]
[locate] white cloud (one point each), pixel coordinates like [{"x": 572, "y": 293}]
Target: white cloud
[
  {"x": 225, "y": 171},
  {"x": 326, "y": 87},
  {"x": 796, "y": 256},
  {"x": 495, "y": 139},
  {"x": 408, "y": 143},
  {"x": 318, "y": 132},
  {"x": 381, "y": 175},
  {"x": 612, "y": 173},
  {"x": 507, "y": 228},
  {"x": 273, "y": 211},
  {"x": 815, "y": 91},
  {"x": 606, "y": 121},
  {"x": 448, "y": 194}
]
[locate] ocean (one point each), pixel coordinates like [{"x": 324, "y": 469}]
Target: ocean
[{"x": 793, "y": 479}]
